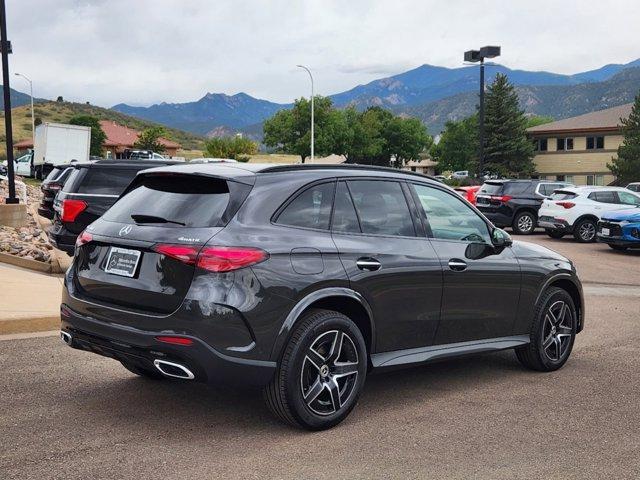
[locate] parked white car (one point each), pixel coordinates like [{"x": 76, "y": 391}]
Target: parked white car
[
  {"x": 460, "y": 174},
  {"x": 576, "y": 210}
]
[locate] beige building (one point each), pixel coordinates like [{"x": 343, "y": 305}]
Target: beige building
[
  {"x": 425, "y": 167},
  {"x": 578, "y": 149}
]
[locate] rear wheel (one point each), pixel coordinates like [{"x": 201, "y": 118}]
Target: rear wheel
[
  {"x": 143, "y": 372},
  {"x": 585, "y": 231},
  {"x": 524, "y": 223},
  {"x": 555, "y": 233},
  {"x": 552, "y": 333},
  {"x": 321, "y": 373},
  {"x": 619, "y": 248}
]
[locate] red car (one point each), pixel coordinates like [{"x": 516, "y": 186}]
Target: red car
[{"x": 469, "y": 193}]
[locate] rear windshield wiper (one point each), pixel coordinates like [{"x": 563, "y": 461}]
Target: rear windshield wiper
[{"x": 141, "y": 218}]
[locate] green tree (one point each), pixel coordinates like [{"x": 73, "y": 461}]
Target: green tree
[
  {"x": 149, "y": 139},
  {"x": 98, "y": 137},
  {"x": 458, "y": 146},
  {"x": 507, "y": 150},
  {"x": 238, "y": 148},
  {"x": 536, "y": 120},
  {"x": 626, "y": 167},
  {"x": 290, "y": 130}
]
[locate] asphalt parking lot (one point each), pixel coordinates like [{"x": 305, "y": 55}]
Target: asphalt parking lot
[{"x": 68, "y": 414}]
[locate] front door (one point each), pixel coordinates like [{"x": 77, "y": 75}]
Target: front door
[
  {"x": 480, "y": 295},
  {"x": 388, "y": 261}
]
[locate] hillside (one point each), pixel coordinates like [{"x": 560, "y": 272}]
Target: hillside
[
  {"x": 18, "y": 99},
  {"x": 61, "y": 112}
]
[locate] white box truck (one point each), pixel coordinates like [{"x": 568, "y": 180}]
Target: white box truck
[{"x": 58, "y": 144}]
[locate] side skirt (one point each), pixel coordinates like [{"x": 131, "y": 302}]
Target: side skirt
[{"x": 425, "y": 354}]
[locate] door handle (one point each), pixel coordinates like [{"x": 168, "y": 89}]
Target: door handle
[
  {"x": 457, "y": 265},
  {"x": 367, "y": 263}
]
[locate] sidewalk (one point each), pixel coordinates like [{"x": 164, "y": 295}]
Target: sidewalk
[{"x": 29, "y": 301}]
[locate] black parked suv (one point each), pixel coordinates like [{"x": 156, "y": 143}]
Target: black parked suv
[
  {"x": 88, "y": 191},
  {"x": 302, "y": 279},
  {"x": 50, "y": 188},
  {"x": 515, "y": 203}
]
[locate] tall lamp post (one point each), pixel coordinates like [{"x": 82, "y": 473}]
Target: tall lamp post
[
  {"x": 5, "y": 48},
  {"x": 474, "y": 56},
  {"x": 33, "y": 120},
  {"x": 312, "y": 122}
]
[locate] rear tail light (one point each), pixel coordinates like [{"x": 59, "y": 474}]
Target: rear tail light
[
  {"x": 53, "y": 186},
  {"x": 496, "y": 199},
  {"x": 71, "y": 209},
  {"x": 566, "y": 204},
  {"x": 83, "y": 238},
  {"x": 214, "y": 259}
]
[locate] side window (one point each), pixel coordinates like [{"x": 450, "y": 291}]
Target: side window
[
  {"x": 449, "y": 218},
  {"x": 344, "y": 213},
  {"x": 310, "y": 209},
  {"x": 381, "y": 207},
  {"x": 604, "y": 197},
  {"x": 628, "y": 198}
]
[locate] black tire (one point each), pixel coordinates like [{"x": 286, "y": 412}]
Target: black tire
[
  {"x": 584, "y": 231},
  {"x": 619, "y": 248},
  {"x": 551, "y": 340},
  {"x": 555, "y": 233},
  {"x": 143, "y": 372},
  {"x": 297, "y": 373},
  {"x": 524, "y": 223}
]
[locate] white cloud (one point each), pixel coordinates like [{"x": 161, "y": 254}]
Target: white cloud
[{"x": 146, "y": 51}]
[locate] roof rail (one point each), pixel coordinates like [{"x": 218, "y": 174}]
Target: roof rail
[{"x": 346, "y": 166}]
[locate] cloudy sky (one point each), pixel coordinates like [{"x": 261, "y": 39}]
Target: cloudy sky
[{"x": 146, "y": 51}]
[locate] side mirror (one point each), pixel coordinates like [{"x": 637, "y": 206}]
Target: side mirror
[
  {"x": 478, "y": 250},
  {"x": 500, "y": 238}
]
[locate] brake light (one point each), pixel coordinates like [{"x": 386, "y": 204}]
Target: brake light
[
  {"x": 501, "y": 198},
  {"x": 566, "y": 204},
  {"x": 71, "y": 209},
  {"x": 84, "y": 238},
  {"x": 214, "y": 259},
  {"x": 175, "y": 340}
]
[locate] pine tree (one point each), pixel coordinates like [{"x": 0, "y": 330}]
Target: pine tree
[
  {"x": 507, "y": 150},
  {"x": 627, "y": 166}
]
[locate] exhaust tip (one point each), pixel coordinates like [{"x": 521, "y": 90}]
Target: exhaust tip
[
  {"x": 173, "y": 370},
  {"x": 66, "y": 337}
]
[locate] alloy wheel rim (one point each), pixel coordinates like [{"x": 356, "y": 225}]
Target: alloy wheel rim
[
  {"x": 587, "y": 231},
  {"x": 525, "y": 223},
  {"x": 557, "y": 331},
  {"x": 329, "y": 372}
]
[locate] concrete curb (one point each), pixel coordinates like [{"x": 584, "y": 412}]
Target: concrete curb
[
  {"x": 44, "y": 267},
  {"x": 28, "y": 325}
]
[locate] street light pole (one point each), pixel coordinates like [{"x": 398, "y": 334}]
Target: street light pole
[
  {"x": 312, "y": 121},
  {"x": 5, "y": 47},
  {"x": 33, "y": 120}
]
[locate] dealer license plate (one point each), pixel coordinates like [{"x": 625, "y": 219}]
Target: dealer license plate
[
  {"x": 605, "y": 231},
  {"x": 122, "y": 261}
]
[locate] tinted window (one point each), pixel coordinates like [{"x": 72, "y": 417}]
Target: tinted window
[
  {"x": 628, "y": 198},
  {"x": 514, "y": 188},
  {"x": 449, "y": 218},
  {"x": 604, "y": 197},
  {"x": 382, "y": 207},
  {"x": 106, "y": 181},
  {"x": 562, "y": 196},
  {"x": 71, "y": 179},
  {"x": 344, "y": 213},
  {"x": 310, "y": 209},
  {"x": 491, "y": 188},
  {"x": 53, "y": 174},
  {"x": 194, "y": 201}
]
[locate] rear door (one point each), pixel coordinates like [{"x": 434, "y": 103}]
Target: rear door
[
  {"x": 480, "y": 295},
  {"x": 387, "y": 261}
]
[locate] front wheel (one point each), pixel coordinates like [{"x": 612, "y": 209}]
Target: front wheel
[
  {"x": 552, "y": 333},
  {"x": 585, "y": 231},
  {"x": 524, "y": 223},
  {"x": 321, "y": 373}
]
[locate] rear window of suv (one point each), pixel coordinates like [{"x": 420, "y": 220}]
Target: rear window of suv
[
  {"x": 560, "y": 195},
  {"x": 179, "y": 199},
  {"x": 491, "y": 188},
  {"x": 106, "y": 181}
]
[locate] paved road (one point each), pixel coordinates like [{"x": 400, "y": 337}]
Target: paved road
[{"x": 67, "y": 414}]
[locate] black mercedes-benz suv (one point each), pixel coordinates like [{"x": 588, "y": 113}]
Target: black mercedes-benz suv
[{"x": 302, "y": 279}]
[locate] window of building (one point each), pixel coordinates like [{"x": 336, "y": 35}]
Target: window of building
[
  {"x": 561, "y": 178},
  {"x": 310, "y": 209},
  {"x": 564, "y": 143},
  {"x": 600, "y": 180},
  {"x": 569, "y": 179},
  {"x": 595, "y": 143},
  {"x": 541, "y": 145},
  {"x": 590, "y": 179}
]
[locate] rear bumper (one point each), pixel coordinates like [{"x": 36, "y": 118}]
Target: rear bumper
[
  {"x": 140, "y": 348},
  {"x": 556, "y": 224},
  {"x": 46, "y": 211},
  {"x": 61, "y": 238}
]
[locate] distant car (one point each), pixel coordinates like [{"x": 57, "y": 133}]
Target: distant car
[
  {"x": 50, "y": 188},
  {"x": 459, "y": 175},
  {"x": 212, "y": 160},
  {"x": 88, "y": 192},
  {"x": 469, "y": 193},
  {"x": 515, "y": 203},
  {"x": 634, "y": 187},
  {"x": 577, "y": 210},
  {"x": 143, "y": 155},
  {"x": 440, "y": 178},
  {"x": 621, "y": 229}
]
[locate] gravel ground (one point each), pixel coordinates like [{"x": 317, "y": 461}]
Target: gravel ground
[{"x": 71, "y": 415}]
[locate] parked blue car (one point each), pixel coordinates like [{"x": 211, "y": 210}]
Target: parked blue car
[{"x": 620, "y": 229}]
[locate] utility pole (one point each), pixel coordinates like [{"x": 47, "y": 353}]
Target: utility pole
[
  {"x": 33, "y": 120},
  {"x": 312, "y": 121},
  {"x": 5, "y": 46}
]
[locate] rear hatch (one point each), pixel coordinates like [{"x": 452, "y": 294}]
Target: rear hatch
[
  {"x": 490, "y": 195},
  {"x": 556, "y": 206},
  {"x": 141, "y": 253}
]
